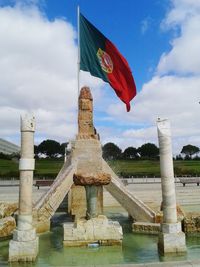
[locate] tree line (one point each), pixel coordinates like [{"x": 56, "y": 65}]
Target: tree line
[
  {"x": 53, "y": 149},
  {"x": 147, "y": 151}
]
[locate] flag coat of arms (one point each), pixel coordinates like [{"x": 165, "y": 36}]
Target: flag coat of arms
[{"x": 101, "y": 58}]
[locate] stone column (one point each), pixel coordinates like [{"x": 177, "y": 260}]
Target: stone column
[
  {"x": 171, "y": 237},
  {"x": 91, "y": 198},
  {"x": 24, "y": 246}
]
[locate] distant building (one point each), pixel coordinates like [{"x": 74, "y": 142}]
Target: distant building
[{"x": 8, "y": 147}]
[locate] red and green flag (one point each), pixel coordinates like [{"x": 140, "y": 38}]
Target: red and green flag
[{"x": 102, "y": 59}]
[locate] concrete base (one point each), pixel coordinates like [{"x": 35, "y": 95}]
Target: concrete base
[
  {"x": 97, "y": 230},
  {"x": 24, "y": 246},
  {"x": 171, "y": 240}
]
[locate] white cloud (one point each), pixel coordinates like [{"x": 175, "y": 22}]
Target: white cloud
[
  {"x": 39, "y": 73},
  {"x": 176, "y": 98},
  {"x": 181, "y": 12},
  {"x": 184, "y": 55},
  {"x": 171, "y": 96}
]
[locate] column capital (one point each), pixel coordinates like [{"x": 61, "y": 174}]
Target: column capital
[
  {"x": 163, "y": 127},
  {"x": 27, "y": 123}
]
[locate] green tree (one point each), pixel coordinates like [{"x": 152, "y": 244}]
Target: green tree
[
  {"x": 189, "y": 151},
  {"x": 50, "y": 148},
  {"x": 148, "y": 150},
  {"x": 63, "y": 148},
  {"x": 111, "y": 151},
  {"x": 130, "y": 153}
]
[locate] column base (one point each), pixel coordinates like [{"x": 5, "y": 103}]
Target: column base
[
  {"x": 171, "y": 240},
  {"x": 24, "y": 246}
]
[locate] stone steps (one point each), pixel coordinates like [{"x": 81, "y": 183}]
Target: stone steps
[
  {"x": 134, "y": 206},
  {"x": 47, "y": 205}
]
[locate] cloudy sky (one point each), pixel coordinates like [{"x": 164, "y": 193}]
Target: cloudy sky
[{"x": 38, "y": 66}]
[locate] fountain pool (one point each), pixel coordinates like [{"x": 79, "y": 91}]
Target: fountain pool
[{"x": 136, "y": 248}]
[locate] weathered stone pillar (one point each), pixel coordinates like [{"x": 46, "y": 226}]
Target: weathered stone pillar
[
  {"x": 171, "y": 237},
  {"x": 24, "y": 246}
]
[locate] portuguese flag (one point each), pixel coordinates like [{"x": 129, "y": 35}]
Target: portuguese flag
[{"x": 102, "y": 59}]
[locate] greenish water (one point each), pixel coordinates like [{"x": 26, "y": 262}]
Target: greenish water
[{"x": 135, "y": 249}]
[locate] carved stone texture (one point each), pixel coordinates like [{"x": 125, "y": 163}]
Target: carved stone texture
[
  {"x": 146, "y": 228},
  {"x": 7, "y": 225},
  {"x": 27, "y": 123},
  {"x": 7, "y": 209},
  {"x": 85, "y": 93},
  {"x": 92, "y": 179},
  {"x": 191, "y": 223},
  {"x": 86, "y": 128}
]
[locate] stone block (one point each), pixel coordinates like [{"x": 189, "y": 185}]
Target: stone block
[
  {"x": 77, "y": 202},
  {"x": 28, "y": 235},
  {"x": 146, "y": 228},
  {"x": 171, "y": 228},
  {"x": 88, "y": 152},
  {"x": 98, "y": 229},
  {"x": 171, "y": 243},
  {"x": 23, "y": 251}
]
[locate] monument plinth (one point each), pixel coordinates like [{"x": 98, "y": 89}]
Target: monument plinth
[
  {"x": 24, "y": 246},
  {"x": 87, "y": 153},
  {"x": 171, "y": 237},
  {"x": 96, "y": 230}
]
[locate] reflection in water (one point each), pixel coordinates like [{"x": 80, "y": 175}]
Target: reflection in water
[{"x": 135, "y": 248}]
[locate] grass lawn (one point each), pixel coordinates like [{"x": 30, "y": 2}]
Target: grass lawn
[
  {"x": 136, "y": 167},
  {"x": 50, "y": 167},
  {"x": 190, "y": 167},
  {"x": 152, "y": 167},
  {"x": 43, "y": 167},
  {"x": 8, "y": 168}
]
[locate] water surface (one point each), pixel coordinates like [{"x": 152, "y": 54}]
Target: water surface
[{"x": 136, "y": 248}]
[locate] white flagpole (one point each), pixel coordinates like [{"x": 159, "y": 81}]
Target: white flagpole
[{"x": 78, "y": 62}]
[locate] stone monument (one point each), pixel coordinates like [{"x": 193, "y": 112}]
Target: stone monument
[
  {"x": 24, "y": 246},
  {"x": 87, "y": 153},
  {"x": 89, "y": 170},
  {"x": 171, "y": 237}
]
